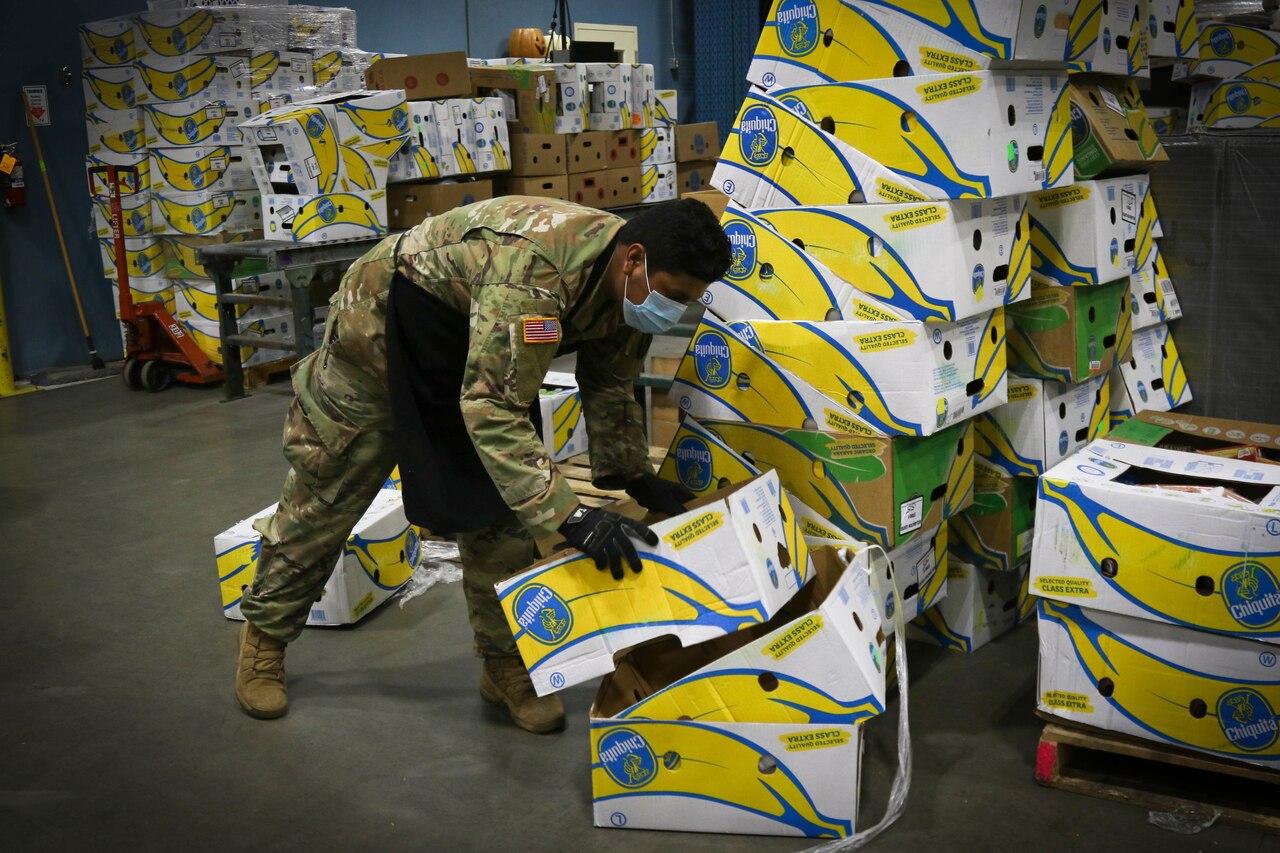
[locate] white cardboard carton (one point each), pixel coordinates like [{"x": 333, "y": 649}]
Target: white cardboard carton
[
  {"x": 112, "y": 88},
  {"x": 322, "y": 217},
  {"x": 564, "y": 424},
  {"x": 1043, "y": 422},
  {"x": 979, "y": 607},
  {"x": 1154, "y": 376},
  {"x": 108, "y": 43},
  {"x": 201, "y": 167},
  {"x": 657, "y": 183},
  {"x": 1152, "y": 298},
  {"x": 1090, "y": 233},
  {"x": 204, "y": 212}
]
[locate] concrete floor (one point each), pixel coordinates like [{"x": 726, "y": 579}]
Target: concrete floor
[{"x": 120, "y": 730}]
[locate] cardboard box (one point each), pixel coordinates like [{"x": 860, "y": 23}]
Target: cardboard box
[
  {"x": 709, "y": 575},
  {"x": 148, "y": 288},
  {"x": 874, "y": 489},
  {"x": 643, "y": 95},
  {"x": 205, "y": 212},
  {"x": 1067, "y": 334},
  {"x": 564, "y": 425},
  {"x": 713, "y": 199},
  {"x": 201, "y": 167},
  {"x": 534, "y": 154},
  {"x": 114, "y": 132},
  {"x": 194, "y": 77},
  {"x": 144, "y": 256},
  {"x": 622, "y": 187},
  {"x": 1089, "y": 233},
  {"x": 529, "y": 94},
  {"x": 589, "y": 188},
  {"x": 865, "y": 378},
  {"x": 588, "y": 152},
  {"x": 1173, "y": 29},
  {"x": 1158, "y": 682},
  {"x": 699, "y": 141},
  {"x": 658, "y": 183},
  {"x": 413, "y": 162},
  {"x": 1107, "y": 140},
  {"x": 695, "y": 177},
  {"x": 960, "y": 142},
  {"x": 195, "y": 123},
  {"x": 546, "y": 186},
  {"x": 623, "y": 149},
  {"x": 572, "y": 90},
  {"x": 669, "y": 751},
  {"x": 928, "y": 261},
  {"x": 1152, "y": 298},
  {"x": 408, "y": 205},
  {"x": 113, "y": 88},
  {"x": 323, "y": 217},
  {"x": 1167, "y": 535},
  {"x": 1168, "y": 121},
  {"x": 424, "y": 77},
  {"x": 994, "y": 534},
  {"x": 206, "y": 334},
  {"x": 657, "y": 146},
  {"x": 184, "y": 252},
  {"x": 1230, "y": 50},
  {"x": 279, "y": 71},
  {"x": 1109, "y": 37},
  {"x": 180, "y": 32},
  {"x": 611, "y": 91},
  {"x": 112, "y": 42},
  {"x": 1154, "y": 377},
  {"x": 979, "y": 607},
  {"x": 135, "y": 213},
  {"x": 129, "y": 184},
  {"x": 1239, "y": 104},
  {"x": 1044, "y": 422},
  {"x": 666, "y": 112},
  {"x": 878, "y": 39},
  {"x": 198, "y": 298},
  {"x": 377, "y": 558}
]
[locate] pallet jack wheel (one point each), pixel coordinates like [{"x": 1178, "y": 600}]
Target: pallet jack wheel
[
  {"x": 156, "y": 376},
  {"x": 131, "y": 373}
]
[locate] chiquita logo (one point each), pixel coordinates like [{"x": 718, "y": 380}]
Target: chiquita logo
[
  {"x": 693, "y": 463},
  {"x": 711, "y": 359},
  {"x": 742, "y": 248},
  {"x": 758, "y": 135},
  {"x": 196, "y": 175},
  {"x": 400, "y": 120},
  {"x": 191, "y": 129},
  {"x": 1042, "y": 18},
  {"x": 1222, "y": 41},
  {"x": 180, "y": 85},
  {"x": 1247, "y": 720},
  {"x": 412, "y": 547},
  {"x": 316, "y": 125},
  {"x": 542, "y": 614},
  {"x": 326, "y": 209},
  {"x": 1252, "y": 594},
  {"x": 796, "y": 106},
  {"x": 627, "y": 758},
  {"x": 1238, "y": 100},
  {"x": 1079, "y": 126},
  {"x": 798, "y": 27}
]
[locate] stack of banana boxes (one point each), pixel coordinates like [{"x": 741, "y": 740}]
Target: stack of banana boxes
[
  {"x": 165, "y": 92},
  {"x": 879, "y": 173},
  {"x": 1234, "y": 72}
]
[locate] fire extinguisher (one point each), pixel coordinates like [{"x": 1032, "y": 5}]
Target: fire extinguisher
[{"x": 12, "y": 181}]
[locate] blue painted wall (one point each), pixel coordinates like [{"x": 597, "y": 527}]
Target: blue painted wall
[{"x": 37, "y": 41}]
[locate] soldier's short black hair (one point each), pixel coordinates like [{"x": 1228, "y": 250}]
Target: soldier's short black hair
[{"x": 680, "y": 237}]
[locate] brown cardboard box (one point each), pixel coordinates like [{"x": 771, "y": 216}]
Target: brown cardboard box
[
  {"x": 713, "y": 199},
  {"x": 424, "y": 77},
  {"x": 1068, "y": 334},
  {"x": 538, "y": 154},
  {"x": 1116, "y": 137},
  {"x": 624, "y": 149},
  {"x": 587, "y": 152},
  {"x": 533, "y": 90},
  {"x": 622, "y": 187},
  {"x": 699, "y": 141},
  {"x": 547, "y": 186},
  {"x": 694, "y": 176},
  {"x": 409, "y": 204},
  {"x": 588, "y": 188}
]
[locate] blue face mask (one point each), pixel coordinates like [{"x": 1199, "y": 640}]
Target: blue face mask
[{"x": 656, "y": 314}]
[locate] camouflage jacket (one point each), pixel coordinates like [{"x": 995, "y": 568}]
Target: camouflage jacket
[{"x": 520, "y": 267}]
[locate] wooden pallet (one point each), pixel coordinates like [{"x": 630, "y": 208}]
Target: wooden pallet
[
  {"x": 1112, "y": 766},
  {"x": 261, "y": 374},
  {"x": 578, "y": 472}
]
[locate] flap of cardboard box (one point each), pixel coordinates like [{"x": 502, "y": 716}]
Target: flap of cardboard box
[{"x": 423, "y": 77}]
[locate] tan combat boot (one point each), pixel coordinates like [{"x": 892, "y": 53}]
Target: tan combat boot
[
  {"x": 504, "y": 681},
  {"x": 260, "y": 675}
]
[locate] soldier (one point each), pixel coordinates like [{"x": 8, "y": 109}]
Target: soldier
[{"x": 435, "y": 347}]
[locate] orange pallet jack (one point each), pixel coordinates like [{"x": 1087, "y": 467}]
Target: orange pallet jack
[{"x": 158, "y": 349}]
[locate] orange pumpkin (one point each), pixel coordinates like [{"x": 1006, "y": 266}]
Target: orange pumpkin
[{"x": 527, "y": 41}]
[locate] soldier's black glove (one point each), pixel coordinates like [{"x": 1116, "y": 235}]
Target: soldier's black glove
[
  {"x": 605, "y": 537},
  {"x": 658, "y": 495}
]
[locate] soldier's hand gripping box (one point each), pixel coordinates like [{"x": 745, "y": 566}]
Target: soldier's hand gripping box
[
  {"x": 1092, "y": 232},
  {"x": 874, "y": 262},
  {"x": 868, "y": 378},
  {"x": 1181, "y": 537},
  {"x": 1043, "y": 422},
  {"x": 994, "y": 533},
  {"x": 1163, "y": 683},
  {"x": 757, "y": 732},
  {"x": 871, "y": 488},
  {"x": 729, "y": 563},
  {"x": 980, "y": 605},
  {"x": 1068, "y": 334}
]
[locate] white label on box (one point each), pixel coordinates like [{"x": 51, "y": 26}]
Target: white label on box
[
  {"x": 1113, "y": 102},
  {"x": 215, "y": 111},
  {"x": 221, "y": 200},
  {"x": 265, "y": 134},
  {"x": 1024, "y": 542},
  {"x": 218, "y": 164},
  {"x": 1129, "y": 206},
  {"x": 1095, "y": 366},
  {"x": 237, "y": 68},
  {"x": 911, "y": 514},
  {"x": 286, "y": 214},
  {"x": 313, "y": 167}
]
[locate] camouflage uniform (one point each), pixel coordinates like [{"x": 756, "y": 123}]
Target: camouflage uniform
[{"x": 499, "y": 262}]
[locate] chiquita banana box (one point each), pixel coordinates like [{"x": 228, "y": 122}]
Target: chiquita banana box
[
  {"x": 135, "y": 214},
  {"x": 193, "y": 77},
  {"x": 729, "y": 563},
  {"x": 1154, "y": 376},
  {"x": 994, "y": 533},
  {"x": 1237, "y": 104},
  {"x": 1172, "y": 29},
  {"x": 874, "y": 262},
  {"x": 201, "y": 167},
  {"x": 179, "y": 32},
  {"x": 1152, "y": 299},
  {"x": 149, "y": 288},
  {"x": 321, "y": 217},
  {"x": 871, "y": 488},
  {"x": 1090, "y": 233},
  {"x": 1231, "y": 50},
  {"x": 1152, "y": 214},
  {"x": 108, "y": 43},
  {"x": 184, "y": 251},
  {"x": 979, "y": 134},
  {"x": 1044, "y": 422},
  {"x": 1069, "y": 334},
  {"x": 112, "y": 88},
  {"x": 823, "y": 41},
  {"x": 144, "y": 256},
  {"x": 378, "y": 557},
  {"x": 118, "y": 132},
  {"x": 1206, "y": 692},
  {"x": 273, "y": 71},
  {"x": 210, "y": 122},
  {"x": 870, "y": 378},
  {"x": 199, "y": 213},
  {"x": 758, "y": 732},
  {"x": 1121, "y": 407},
  {"x": 564, "y": 425},
  {"x": 129, "y": 183},
  {"x": 979, "y": 606},
  {"x": 1180, "y": 537},
  {"x": 1109, "y": 37},
  {"x": 774, "y": 157}
]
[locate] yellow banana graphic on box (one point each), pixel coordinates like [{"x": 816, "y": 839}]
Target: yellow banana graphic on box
[
  {"x": 708, "y": 763},
  {"x": 1167, "y": 698},
  {"x": 210, "y": 345},
  {"x": 178, "y": 39},
  {"x": 236, "y": 568},
  {"x": 326, "y": 67},
  {"x": 1188, "y": 30},
  {"x": 501, "y": 160},
  {"x": 193, "y": 175},
  {"x": 204, "y": 303},
  {"x": 134, "y": 222},
  {"x": 183, "y": 251},
  {"x": 933, "y": 623},
  {"x": 358, "y": 172},
  {"x": 1263, "y": 72},
  {"x": 142, "y": 261},
  {"x": 1083, "y": 33},
  {"x": 1244, "y": 103},
  {"x": 189, "y": 128},
  {"x": 1100, "y": 416},
  {"x": 195, "y": 219},
  {"x": 648, "y": 180},
  {"x": 1171, "y": 370},
  {"x": 736, "y": 695},
  {"x": 110, "y": 48},
  {"x": 323, "y": 140},
  {"x": 1052, "y": 265},
  {"x": 112, "y": 94},
  {"x": 959, "y": 20},
  {"x": 700, "y": 461},
  {"x": 335, "y": 208},
  {"x": 181, "y": 85},
  {"x": 566, "y": 419},
  {"x": 873, "y": 122},
  {"x": 960, "y": 474},
  {"x": 1059, "y": 163},
  {"x": 378, "y": 123},
  {"x": 992, "y": 361},
  {"x": 388, "y": 562},
  {"x": 126, "y": 141},
  {"x": 463, "y": 157},
  {"x": 1020, "y": 268},
  {"x": 263, "y": 66},
  {"x": 1247, "y": 46}
]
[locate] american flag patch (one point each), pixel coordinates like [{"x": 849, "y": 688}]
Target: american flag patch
[{"x": 541, "y": 330}]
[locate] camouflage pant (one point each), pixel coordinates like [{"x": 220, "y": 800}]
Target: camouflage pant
[{"x": 338, "y": 440}]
